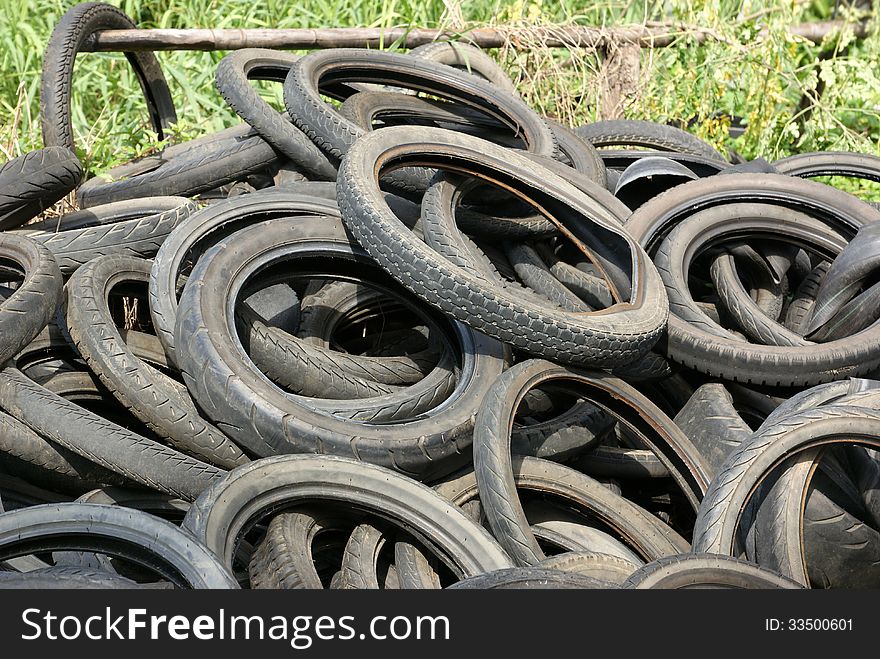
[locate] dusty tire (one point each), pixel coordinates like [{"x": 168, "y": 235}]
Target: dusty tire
[
  {"x": 705, "y": 571},
  {"x": 230, "y": 507},
  {"x": 34, "y": 181},
  {"x": 25, "y": 313},
  {"x": 604, "y": 341}
]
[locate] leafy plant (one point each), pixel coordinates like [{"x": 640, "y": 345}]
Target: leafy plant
[{"x": 791, "y": 95}]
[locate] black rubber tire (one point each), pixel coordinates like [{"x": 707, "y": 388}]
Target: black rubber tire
[
  {"x": 360, "y": 560},
  {"x": 578, "y": 537},
  {"x": 52, "y": 352},
  {"x": 670, "y": 394},
  {"x": 284, "y": 560},
  {"x": 441, "y": 233},
  {"x": 830, "y": 563},
  {"x": 750, "y": 318},
  {"x": 650, "y": 368},
  {"x": 531, "y": 578},
  {"x": 692, "y": 339},
  {"x": 322, "y": 313},
  {"x": 589, "y": 288},
  {"x": 831, "y": 163},
  {"x": 706, "y": 571},
  {"x": 655, "y": 219},
  {"x": 232, "y": 77},
  {"x": 414, "y": 569},
  {"x": 645, "y": 134},
  {"x": 489, "y": 227},
  {"x": 765, "y": 271},
  {"x": 366, "y": 109},
  {"x": 131, "y": 228},
  {"x": 137, "y": 458},
  {"x": 228, "y": 156},
  {"x": 320, "y": 375},
  {"x": 645, "y": 534},
  {"x": 535, "y": 274},
  {"x": 25, "y": 313},
  {"x": 335, "y": 135},
  {"x": 846, "y": 276},
  {"x": 855, "y": 316},
  {"x": 801, "y": 509},
  {"x": 800, "y": 309},
  {"x": 604, "y": 567},
  {"x": 116, "y": 531},
  {"x": 34, "y": 181},
  {"x": 86, "y": 390},
  {"x": 265, "y": 420},
  {"x": 745, "y": 468},
  {"x": 153, "y": 397},
  {"x": 620, "y": 462},
  {"x": 65, "y": 577},
  {"x": 57, "y": 467},
  {"x": 573, "y": 432},
  {"x": 299, "y": 368},
  {"x": 607, "y": 340},
  {"x": 394, "y": 109},
  {"x": 778, "y": 524},
  {"x": 813, "y": 397},
  {"x": 711, "y": 422},
  {"x": 468, "y": 58},
  {"x": 234, "y": 504},
  {"x": 863, "y": 471},
  {"x": 160, "y": 505},
  {"x": 578, "y": 153},
  {"x": 81, "y": 387},
  {"x": 70, "y": 35},
  {"x": 493, "y": 462},
  {"x": 201, "y": 229},
  {"x": 278, "y": 304}
]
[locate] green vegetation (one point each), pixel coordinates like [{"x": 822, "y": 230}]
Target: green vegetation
[{"x": 751, "y": 68}]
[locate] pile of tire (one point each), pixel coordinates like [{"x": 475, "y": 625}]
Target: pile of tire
[{"x": 408, "y": 333}]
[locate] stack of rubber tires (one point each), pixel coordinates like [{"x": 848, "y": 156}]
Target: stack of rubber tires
[{"x": 407, "y": 333}]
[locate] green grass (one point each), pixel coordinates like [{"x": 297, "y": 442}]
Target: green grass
[{"x": 761, "y": 80}]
